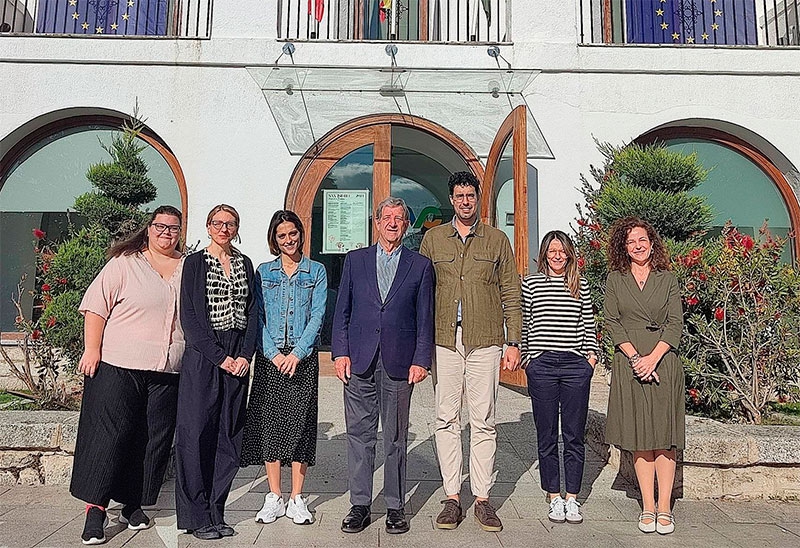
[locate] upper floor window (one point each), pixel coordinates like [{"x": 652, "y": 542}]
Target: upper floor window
[
  {"x": 168, "y": 18},
  {"x": 707, "y": 22},
  {"x": 415, "y": 20}
]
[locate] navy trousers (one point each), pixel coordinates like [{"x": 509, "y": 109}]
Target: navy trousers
[
  {"x": 558, "y": 383},
  {"x": 208, "y": 440},
  {"x": 368, "y": 397}
]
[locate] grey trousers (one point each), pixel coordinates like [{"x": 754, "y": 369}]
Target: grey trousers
[{"x": 368, "y": 397}]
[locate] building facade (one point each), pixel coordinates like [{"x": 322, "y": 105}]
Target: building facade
[{"x": 302, "y": 104}]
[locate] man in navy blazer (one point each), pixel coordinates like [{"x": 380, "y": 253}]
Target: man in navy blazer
[{"x": 382, "y": 343}]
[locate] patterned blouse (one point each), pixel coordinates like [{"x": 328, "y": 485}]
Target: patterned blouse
[{"x": 227, "y": 297}]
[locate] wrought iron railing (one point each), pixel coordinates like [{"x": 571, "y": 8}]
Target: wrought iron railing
[
  {"x": 168, "y": 18},
  {"x": 419, "y": 20},
  {"x": 710, "y": 22}
]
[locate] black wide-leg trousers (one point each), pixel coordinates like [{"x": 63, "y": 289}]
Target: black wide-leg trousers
[
  {"x": 125, "y": 434},
  {"x": 208, "y": 440}
]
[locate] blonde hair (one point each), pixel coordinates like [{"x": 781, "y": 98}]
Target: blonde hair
[{"x": 572, "y": 276}]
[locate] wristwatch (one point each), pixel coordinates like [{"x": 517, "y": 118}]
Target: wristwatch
[{"x": 515, "y": 344}]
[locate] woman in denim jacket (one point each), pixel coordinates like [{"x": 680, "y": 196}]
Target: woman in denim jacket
[{"x": 281, "y": 427}]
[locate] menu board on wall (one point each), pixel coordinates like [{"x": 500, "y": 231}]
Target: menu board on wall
[{"x": 346, "y": 220}]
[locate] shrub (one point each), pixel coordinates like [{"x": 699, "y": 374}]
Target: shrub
[
  {"x": 743, "y": 311},
  {"x": 75, "y": 262},
  {"x": 62, "y": 325},
  {"x": 53, "y": 338}
]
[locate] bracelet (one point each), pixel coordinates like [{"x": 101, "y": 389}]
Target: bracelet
[{"x": 633, "y": 359}]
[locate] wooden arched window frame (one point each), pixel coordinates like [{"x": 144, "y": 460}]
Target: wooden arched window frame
[
  {"x": 745, "y": 149},
  {"x": 373, "y": 130},
  {"x": 111, "y": 122},
  {"x": 513, "y": 128}
]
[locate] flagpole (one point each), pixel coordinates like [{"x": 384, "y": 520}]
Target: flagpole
[{"x": 393, "y": 21}]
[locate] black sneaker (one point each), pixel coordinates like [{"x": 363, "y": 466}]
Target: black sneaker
[
  {"x": 135, "y": 518},
  {"x": 93, "y": 528}
]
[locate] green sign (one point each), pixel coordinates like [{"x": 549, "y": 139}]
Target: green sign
[{"x": 345, "y": 216}]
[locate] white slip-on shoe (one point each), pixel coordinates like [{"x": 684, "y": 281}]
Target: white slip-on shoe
[
  {"x": 665, "y": 529},
  {"x": 297, "y": 511},
  {"x": 557, "y": 513},
  {"x": 647, "y": 522},
  {"x": 273, "y": 509},
  {"x": 572, "y": 510}
]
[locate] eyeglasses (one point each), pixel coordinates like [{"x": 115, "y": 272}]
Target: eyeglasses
[
  {"x": 161, "y": 227},
  {"x": 230, "y": 225},
  {"x": 465, "y": 197},
  {"x": 554, "y": 252}
]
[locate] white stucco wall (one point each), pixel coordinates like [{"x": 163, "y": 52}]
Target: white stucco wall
[{"x": 198, "y": 97}]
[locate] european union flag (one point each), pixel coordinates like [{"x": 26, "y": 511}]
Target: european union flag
[
  {"x": 691, "y": 21},
  {"x": 144, "y": 17}
]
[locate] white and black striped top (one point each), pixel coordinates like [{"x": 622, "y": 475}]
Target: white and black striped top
[
  {"x": 226, "y": 297},
  {"x": 553, "y": 320}
]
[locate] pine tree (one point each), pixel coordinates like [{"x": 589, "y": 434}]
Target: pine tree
[
  {"x": 109, "y": 212},
  {"x": 647, "y": 181}
]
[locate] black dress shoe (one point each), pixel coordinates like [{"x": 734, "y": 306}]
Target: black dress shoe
[
  {"x": 208, "y": 532},
  {"x": 356, "y": 520},
  {"x": 396, "y": 522},
  {"x": 224, "y": 529}
]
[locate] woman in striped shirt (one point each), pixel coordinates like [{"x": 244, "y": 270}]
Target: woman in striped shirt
[{"x": 559, "y": 343}]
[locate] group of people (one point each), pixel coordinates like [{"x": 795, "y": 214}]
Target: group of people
[{"x": 170, "y": 341}]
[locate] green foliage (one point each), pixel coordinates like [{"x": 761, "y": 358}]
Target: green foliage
[
  {"x": 676, "y": 215},
  {"x": 743, "y": 311},
  {"x": 656, "y": 168},
  {"x": 122, "y": 185},
  {"x": 117, "y": 219},
  {"x": 647, "y": 181},
  {"x": 77, "y": 261},
  {"x": 62, "y": 325}
]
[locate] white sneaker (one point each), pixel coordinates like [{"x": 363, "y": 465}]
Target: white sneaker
[
  {"x": 557, "y": 513},
  {"x": 297, "y": 511},
  {"x": 273, "y": 509},
  {"x": 572, "y": 509}
]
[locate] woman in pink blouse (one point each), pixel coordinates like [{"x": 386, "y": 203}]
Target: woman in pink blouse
[{"x": 133, "y": 349}]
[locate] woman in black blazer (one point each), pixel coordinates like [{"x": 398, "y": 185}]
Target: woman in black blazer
[{"x": 219, "y": 314}]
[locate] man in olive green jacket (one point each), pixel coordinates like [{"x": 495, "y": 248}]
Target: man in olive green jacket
[{"x": 477, "y": 311}]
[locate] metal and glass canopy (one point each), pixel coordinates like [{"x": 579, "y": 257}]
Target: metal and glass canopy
[{"x": 309, "y": 101}]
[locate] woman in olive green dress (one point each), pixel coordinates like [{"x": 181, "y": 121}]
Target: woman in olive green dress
[{"x": 644, "y": 316}]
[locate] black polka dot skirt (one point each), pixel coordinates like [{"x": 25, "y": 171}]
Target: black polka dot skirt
[{"x": 282, "y": 413}]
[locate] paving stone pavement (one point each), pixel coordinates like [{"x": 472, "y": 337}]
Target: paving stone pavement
[{"x": 50, "y": 517}]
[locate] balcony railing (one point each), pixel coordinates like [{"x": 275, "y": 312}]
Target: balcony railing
[
  {"x": 153, "y": 18},
  {"x": 418, "y": 20},
  {"x": 709, "y": 22}
]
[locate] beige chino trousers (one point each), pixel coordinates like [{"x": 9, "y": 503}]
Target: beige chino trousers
[{"x": 473, "y": 373}]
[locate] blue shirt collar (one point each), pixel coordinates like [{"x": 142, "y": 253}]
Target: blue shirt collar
[{"x": 304, "y": 266}]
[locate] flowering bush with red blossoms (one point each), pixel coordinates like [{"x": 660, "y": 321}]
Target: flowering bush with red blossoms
[{"x": 742, "y": 347}]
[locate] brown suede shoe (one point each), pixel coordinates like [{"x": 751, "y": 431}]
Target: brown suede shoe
[
  {"x": 486, "y": 517},
  {"x": 450, "y": 516}
]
